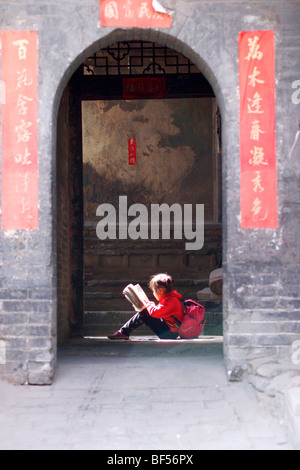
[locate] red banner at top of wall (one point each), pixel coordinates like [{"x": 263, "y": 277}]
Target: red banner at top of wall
[{"x": 132, "y": 13}]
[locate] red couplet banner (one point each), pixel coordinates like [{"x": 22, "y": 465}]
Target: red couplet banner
[
  {"x": 132, "y": 151},
  {"x": 257, "y": 130},
  {"x": 132, "y": 13},
  {"x": 19, "y": 105}
]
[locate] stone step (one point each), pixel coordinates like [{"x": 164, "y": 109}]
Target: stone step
[
  {"x": 107, "y": 295},
  {"x": 116, "y": 293},
  {"x": 110, "y": 285},
  {"x": 102, "y": 323},
  {"x": 103, "y": 301},
  {"x": 120, "y": 276},
  {"x": 119, "y": 304}
]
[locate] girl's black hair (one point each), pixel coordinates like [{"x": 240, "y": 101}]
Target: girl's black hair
[{"x": 161, "y": 280}]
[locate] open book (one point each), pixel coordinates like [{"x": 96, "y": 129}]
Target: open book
[{"x": 136, "y": 296}]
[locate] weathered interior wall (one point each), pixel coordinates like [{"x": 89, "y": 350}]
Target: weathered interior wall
[{"x": 175, "y": 161}]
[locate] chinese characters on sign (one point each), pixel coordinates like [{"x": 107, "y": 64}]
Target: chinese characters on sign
[
  {"x": 257, "y": 130},
  {"x": 132, "y": 151},
  {"x": 144, "y": 87},
  {"x": 132, "y": 13},
  {"x": 19, "y": 131}
]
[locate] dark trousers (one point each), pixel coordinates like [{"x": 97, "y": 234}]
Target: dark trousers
[{"x": 157, "y": 325}]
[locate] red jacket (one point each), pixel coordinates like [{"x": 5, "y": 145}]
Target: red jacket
[{"x": 169, "y": 307}]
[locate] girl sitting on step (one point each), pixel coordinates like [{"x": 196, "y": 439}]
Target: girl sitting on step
[{"x": 164, "y": 318}]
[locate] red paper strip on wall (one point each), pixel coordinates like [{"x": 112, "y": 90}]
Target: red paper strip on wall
[
  {"x": 257, "y": 130},
  {"x": 132, "y": 151},
  {"x": 132, "y": 13},
  {"x": 19, "y": 104},
  {"x": 144, "y": 87}
]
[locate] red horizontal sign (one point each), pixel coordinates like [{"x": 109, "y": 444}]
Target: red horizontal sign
[
  {"x": 19, "y": 130},
  {"x": 132, "y": 13},
  {"x": 257, "y": 130},
  {"x": 144, "y": 87}
]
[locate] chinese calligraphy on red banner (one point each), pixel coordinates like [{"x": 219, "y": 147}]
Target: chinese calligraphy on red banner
[
  {"x": 132, "y": 151},
  {"x": 257, "y": 130},
  {"x": 19, "y": 130},
  {"x": 132, "y": 13}
]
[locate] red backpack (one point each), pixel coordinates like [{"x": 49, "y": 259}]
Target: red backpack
[{"x": 193, "y": 320}]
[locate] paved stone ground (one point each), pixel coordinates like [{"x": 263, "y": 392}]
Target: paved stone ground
[{"x": 138, "y": 395}]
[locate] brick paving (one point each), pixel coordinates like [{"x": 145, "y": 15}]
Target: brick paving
[{"x": 138, "y": 395}]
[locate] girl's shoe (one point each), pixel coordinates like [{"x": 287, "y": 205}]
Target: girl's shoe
[{"x": 118, "y": 335}]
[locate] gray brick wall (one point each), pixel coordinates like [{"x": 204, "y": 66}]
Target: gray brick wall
[{"x": 262, "y": 277}]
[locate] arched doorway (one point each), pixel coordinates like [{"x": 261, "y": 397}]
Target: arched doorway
[{"x": 109, "y": 100}]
